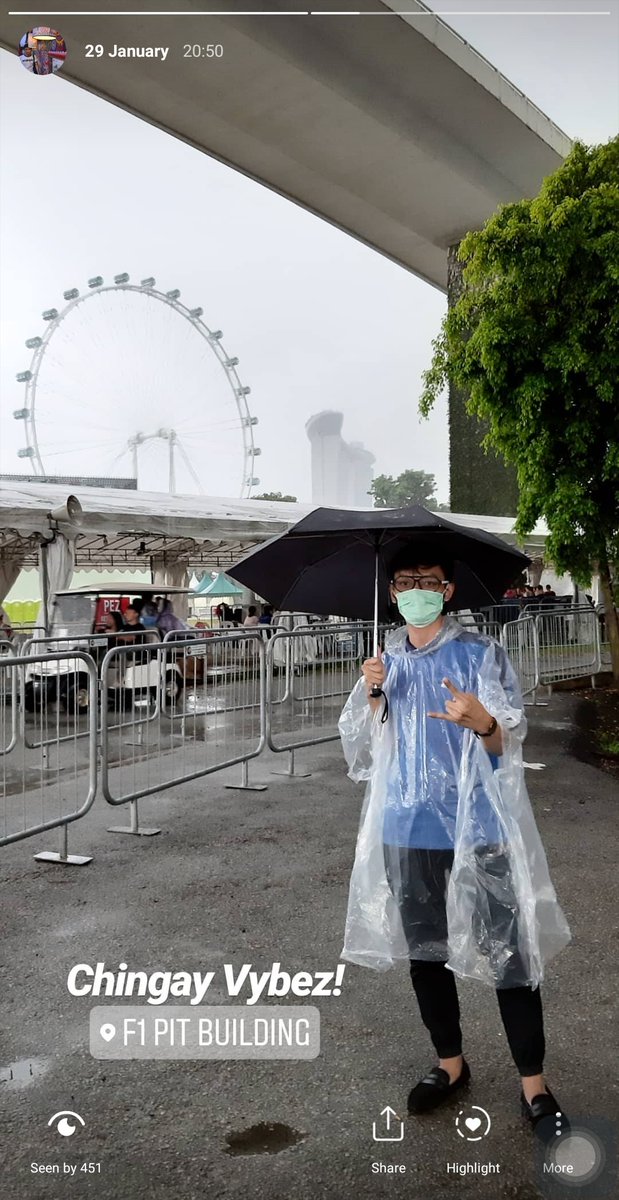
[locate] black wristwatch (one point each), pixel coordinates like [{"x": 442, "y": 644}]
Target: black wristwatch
[{"x": 493, "y": 726}]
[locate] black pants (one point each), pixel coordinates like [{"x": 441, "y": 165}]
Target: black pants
[{"x": 418, "y": 879}]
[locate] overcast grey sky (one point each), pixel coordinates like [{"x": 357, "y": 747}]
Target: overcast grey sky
[{"x": 316, "y": 319}]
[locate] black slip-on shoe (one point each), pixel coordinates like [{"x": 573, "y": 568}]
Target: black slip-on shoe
[
  {"x": 434, "y": 1089},
  {"x": 545, "y": 1115}
]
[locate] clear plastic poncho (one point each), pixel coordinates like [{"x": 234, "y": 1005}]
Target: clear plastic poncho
[{"x": 449, "y": 864}]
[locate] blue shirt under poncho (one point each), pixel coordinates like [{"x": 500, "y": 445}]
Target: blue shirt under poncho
[{"x": 422, "y": 793}]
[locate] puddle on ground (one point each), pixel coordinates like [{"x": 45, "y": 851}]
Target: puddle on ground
[
  {"x": 21, "y": 1074},
  {"x": 268, "y": 1137}
]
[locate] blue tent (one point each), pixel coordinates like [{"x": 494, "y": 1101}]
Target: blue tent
[{"x": 220, "y": 586}]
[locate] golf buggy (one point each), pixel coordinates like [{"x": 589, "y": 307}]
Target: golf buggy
[{"x": 80, "y": 621}]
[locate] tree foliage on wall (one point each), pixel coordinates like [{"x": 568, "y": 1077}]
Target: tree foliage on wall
[
  {"x": 479, "y": 479},
  {"x": 533, "y": 339}
]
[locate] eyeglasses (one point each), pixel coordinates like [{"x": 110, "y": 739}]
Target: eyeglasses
[{"x": 427, "y": 583}]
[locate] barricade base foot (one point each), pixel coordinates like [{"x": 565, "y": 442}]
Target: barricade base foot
[
  {"x": 248, "y": 787},
  {"x": 141, "y": 832},
  {"x": 294, "y": 774},
  {"x": 69, "y": 860}
]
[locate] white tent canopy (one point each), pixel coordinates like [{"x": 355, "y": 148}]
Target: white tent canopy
[
  {"x": 127, "y": 529},
  {"x": 168, "y": 534}
]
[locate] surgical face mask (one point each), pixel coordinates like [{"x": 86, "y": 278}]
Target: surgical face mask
[
  {"x": 148, "y": 622},
  {"x": 420, "y": 608}
]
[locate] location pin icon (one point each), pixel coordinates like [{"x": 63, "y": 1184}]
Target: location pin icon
[{"x": 107, "y": 1032}]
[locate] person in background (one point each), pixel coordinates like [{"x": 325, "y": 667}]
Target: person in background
[
  {"x": 266, "y": 617},
  {"x": 550, "y": 592},
  {"x": 149, "y": 615},
  {"x": 113, "y": 625},
  {"x": 132, "y": 616},
  {"x": 168, "y": 620},
  {"x": 252, "y": 617},
  {"x": 112, "y": 622},
  {"x": 237, "y": 616}
]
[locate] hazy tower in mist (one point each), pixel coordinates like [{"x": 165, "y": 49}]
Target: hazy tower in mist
[{"x": 341, "y": 471}]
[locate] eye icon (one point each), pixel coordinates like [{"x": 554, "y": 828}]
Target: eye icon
[{"x": 64, "y": 1127}]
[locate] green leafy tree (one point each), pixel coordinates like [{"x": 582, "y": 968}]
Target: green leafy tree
[
  {"x": 275, "y": 496},
  {"x": 534, "y": 341},
  {"x": 411, "y": 487}
]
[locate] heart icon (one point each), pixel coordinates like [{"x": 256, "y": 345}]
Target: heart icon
[
  {"x": 471, "y": 1123},
  {"x": 107, "y": 1032}
]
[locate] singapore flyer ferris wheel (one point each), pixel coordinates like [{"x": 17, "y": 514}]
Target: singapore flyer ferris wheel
[{"x": 125, "y": 379}]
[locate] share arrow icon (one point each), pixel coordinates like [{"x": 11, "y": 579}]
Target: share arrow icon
[{"x": 388, "y": 1113}]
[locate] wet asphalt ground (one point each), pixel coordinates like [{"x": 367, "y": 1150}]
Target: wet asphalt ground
[{"x": 261, "y": 877}]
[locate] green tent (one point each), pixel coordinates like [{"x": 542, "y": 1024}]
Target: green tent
[{"x": 220, "y": 586}]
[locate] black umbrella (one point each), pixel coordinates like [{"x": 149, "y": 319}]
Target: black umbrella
[{"x": 336, "y": 561}]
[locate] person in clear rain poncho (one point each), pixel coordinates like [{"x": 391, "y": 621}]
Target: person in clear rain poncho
[{"x": 449, "y": 871}]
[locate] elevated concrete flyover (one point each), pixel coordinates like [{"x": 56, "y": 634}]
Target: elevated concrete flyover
[{"x": 386, "y": 124}]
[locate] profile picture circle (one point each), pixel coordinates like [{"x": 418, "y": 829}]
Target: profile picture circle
[{"x": 42, "y": 50}]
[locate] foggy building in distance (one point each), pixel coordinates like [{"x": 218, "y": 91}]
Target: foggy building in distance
[{"x": 341, "y": 471}]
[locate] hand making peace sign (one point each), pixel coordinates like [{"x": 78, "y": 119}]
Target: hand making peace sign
[{"x": 464, "y": 709}]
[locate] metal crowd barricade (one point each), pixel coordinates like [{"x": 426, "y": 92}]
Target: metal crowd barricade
[
  {"x": 210, "y": 718},
  {"x": 47, "y": 782},
  {"x": 23, "y": 635},
  {"x": 498, "y": 614},
  {"x": 519, "y": 640},
  {"x": 225, "y": 657},
  {"x": 605, "y": 655},
  {"x": 568, "y": 644},
  {"x": 56, "y": 686},
  {"x": 322, "y": 676},
  {"x": 9, "y": 706},
  {"x": 320, "y": 655},
  {"x": 480, "y": 622}
]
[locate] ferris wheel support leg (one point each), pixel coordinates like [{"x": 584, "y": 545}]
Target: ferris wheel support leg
[{"x": 134, "y": 828}]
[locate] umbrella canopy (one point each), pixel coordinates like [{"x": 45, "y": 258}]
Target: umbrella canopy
[
  {"x": 327, "y": 562},
  {"x": 220, "y": 586}
]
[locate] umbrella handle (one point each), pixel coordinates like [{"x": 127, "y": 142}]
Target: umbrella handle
[{"x": 375, "y": 692}]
